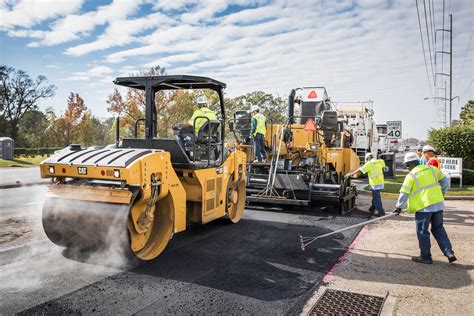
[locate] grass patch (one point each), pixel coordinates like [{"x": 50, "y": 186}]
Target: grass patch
[
  {"x": 392, "y": 188},
  {"x": 22, "y": 162}
]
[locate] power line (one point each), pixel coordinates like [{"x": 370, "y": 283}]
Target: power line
[
  {"x": 433, "y": 38},
  {"x": 442, "y": 42},
  {"x": 423, "y": 46},
  {"x": 465, "y": 58},
  {"x": 429, "y": 43},
  {"x": 465, "y": 91}
]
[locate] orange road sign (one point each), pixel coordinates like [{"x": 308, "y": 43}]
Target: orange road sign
[{"x": 309, "y": 126}]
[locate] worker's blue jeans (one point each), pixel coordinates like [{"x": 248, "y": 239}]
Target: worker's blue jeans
[
  {"x": 377, "y": 202},
  {"x": 259, "y": 142},
  {"x": 423, "y": 220}
]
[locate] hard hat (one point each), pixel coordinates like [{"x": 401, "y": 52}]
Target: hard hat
[
  {"x": 368, "y": 155},
  {"x": 411, "y": 157},
  {"x": 255, "y": 108},
  {"x": 428, "y": 148},
  {"x": 202, "y": 100}
]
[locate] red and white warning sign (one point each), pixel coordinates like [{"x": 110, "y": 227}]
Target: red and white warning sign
[
  {"x": 309, "y": 126},
  {"x": 312, "y": 94}
]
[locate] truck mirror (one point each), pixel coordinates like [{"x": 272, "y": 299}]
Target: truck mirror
[{"x": 231, "y": 126}]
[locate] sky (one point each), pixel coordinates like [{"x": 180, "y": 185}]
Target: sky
[{"x": 359, "y": 50}]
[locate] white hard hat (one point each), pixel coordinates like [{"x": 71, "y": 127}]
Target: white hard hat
[
  {"x": 428, "y": 148},
  {"x": 410, "y": 157},
  {"x": 368, "y": 155},
  {"x": 202, "y": 100},
  {"x": 255, "y": 108}
]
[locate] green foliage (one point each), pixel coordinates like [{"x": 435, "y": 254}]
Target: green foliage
[
  {"x": 32, "y": 152},
  {"x": 456, "y": 141},
  {"x": 273, "y": 107},
  {"x": 467, "y": 113},
  {"x": 19, "y": 94},
  {"x": 33, "y": 130},
  {"x": 468, "y": 176}
]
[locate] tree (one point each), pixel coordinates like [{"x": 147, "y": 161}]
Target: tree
[
  {"x": 67, "y": 126},
  {"x": 32, "y": 130},
  {"x": 20, "y": 94},
  {"x": 467, "y": 113},
  {"x": 274, "y": 108}
]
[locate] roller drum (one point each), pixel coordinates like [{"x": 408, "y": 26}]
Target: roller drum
[{"x": 85, "y": 224}]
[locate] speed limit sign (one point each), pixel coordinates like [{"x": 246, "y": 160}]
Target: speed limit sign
[{"x": 394, "y": 129}]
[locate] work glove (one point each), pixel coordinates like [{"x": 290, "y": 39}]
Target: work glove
[{"x": 397, "y": 210}]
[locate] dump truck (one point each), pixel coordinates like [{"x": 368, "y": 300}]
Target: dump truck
[
  {"x": 359, "y": 117},
  {"x": 141, "y": 194},
  {"x": 307, "y": 162}
]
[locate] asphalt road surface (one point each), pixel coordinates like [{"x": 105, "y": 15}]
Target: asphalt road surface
[
  {"x": 255, "y": 266},
  {"x": 19, "y": 175}
]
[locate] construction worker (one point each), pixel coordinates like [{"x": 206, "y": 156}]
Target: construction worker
[
  {"x": 430, "y": 157},
  {"x": 374, "y": 169},
  {"x": 203, "y": 110},
  {"x": 258, "y": 129},
  {"x": 423, "y": 189},
  {"x": 348, "y": 137}
]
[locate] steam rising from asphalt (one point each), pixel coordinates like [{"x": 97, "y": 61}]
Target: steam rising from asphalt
[
  {"x": 96, "y": 232},
  {"x": 30, "y": 262}
]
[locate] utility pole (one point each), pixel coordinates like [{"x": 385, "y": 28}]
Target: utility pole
[
  {"x": 445, "y": 104},
  {"x": 450, "y": 68}
]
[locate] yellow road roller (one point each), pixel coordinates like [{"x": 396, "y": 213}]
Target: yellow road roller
[{"x": 140, "y": 194}]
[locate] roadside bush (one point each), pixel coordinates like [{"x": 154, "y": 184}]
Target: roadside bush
[
  {"x": 468, "y": 176},
  {"x": 456, "y": 141},
  {"x": 32, "y": 152}
]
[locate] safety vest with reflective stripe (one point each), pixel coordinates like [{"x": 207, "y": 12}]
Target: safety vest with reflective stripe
[
  {"x": 260, "y": 122},
  {"x": 422, "y": 185},
  {"x": 206, "y": 112},
  {"x": 374, "y": 169}
]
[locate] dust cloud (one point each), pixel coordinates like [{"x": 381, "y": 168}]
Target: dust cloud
[{"x": 31, "y": 263}]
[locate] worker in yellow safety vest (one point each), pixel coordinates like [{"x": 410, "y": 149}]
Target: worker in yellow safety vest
[
  {"x": 198, "y": 120},
  {"x": 374, "y": 170},
  {"x": 258, "y": 129},
  {"x": 423, "y": 191}
]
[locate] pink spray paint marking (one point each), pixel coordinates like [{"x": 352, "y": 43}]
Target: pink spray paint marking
[{"x": 343, "y": 257}]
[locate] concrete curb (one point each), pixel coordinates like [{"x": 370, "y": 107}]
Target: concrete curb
[{"x": 20, "y": 184}]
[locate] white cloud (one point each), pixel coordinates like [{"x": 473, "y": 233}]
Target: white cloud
[
  {"x": 359, "y": 49},
  {"x": 75, "y": 26},
  {"x": 118, "y": 33},
  {"x": 169, "y": 5},
  {"x": 169, "y": 60},
  {"x": 27, "y": 13}
]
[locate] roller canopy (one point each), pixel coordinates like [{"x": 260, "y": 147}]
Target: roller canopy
[{"x": 170, "y": 82}]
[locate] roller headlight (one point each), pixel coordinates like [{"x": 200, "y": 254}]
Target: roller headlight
[
  {"x": 51, "y": 169},
  {"x": 116, "y": 173}
]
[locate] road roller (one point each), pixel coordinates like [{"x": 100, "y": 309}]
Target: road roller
[
  {"x": 307, "y": 158},
  {"x": 136, "y": 196}
]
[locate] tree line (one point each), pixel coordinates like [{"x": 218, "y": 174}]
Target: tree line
[{"x": 22, "y": 120}]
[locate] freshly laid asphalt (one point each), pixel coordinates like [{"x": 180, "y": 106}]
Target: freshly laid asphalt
[{"x": 255, "y": 267}]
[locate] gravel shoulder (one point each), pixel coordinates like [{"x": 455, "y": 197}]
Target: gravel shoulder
[{"x": 379, "y": 263}]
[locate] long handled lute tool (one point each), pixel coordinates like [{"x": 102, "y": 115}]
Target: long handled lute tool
[{"x": 306, "y": 241}]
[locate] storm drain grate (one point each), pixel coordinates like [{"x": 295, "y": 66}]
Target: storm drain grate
[{"x": 334, "y": 302}]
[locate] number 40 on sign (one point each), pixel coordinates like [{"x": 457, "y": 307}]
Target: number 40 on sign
[{"x": 394, "y": 129}]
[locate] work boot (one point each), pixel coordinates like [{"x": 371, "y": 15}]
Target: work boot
[
  {"x": 451, "y": 257},
  {"x": 420, "y": 259},
  {"x": 371, "y": 209}
]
